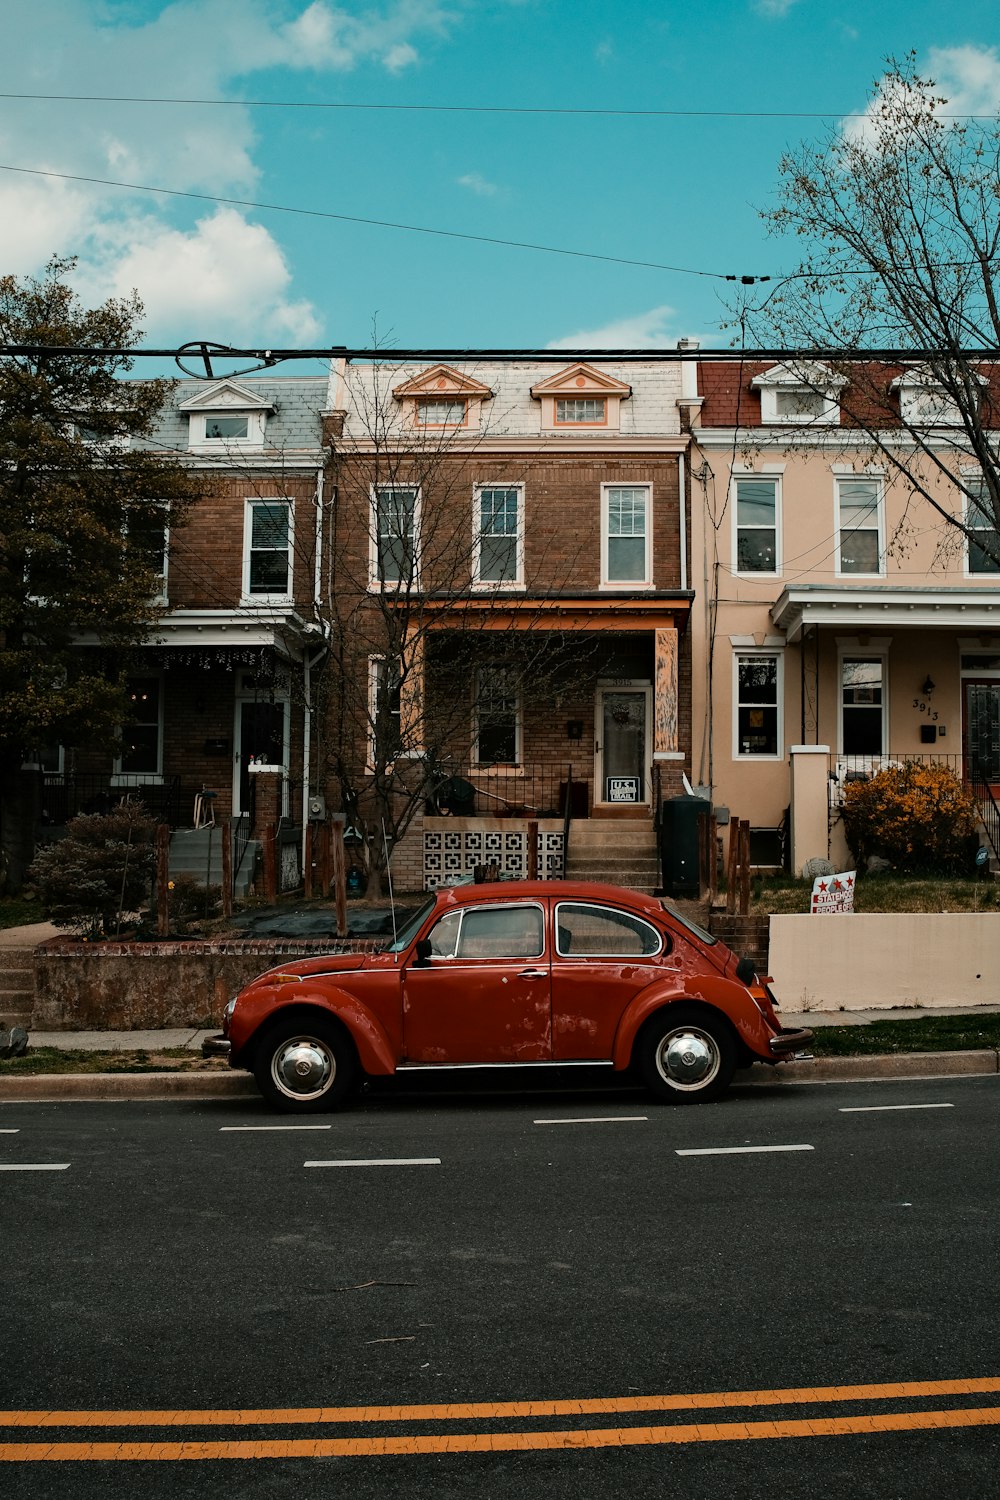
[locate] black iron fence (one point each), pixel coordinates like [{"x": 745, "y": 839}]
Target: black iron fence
[
  {"x": 65, "y": 796},
  {"x": 473, "y": 791}
]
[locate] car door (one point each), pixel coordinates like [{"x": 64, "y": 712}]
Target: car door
[
  {"x": 603, "y": 957},
  {"x": 484, "y": 994}
]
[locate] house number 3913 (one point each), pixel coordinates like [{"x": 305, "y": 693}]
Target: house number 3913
[{"x": 925, "y": 708}]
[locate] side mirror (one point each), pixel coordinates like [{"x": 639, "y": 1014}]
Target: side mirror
[{"x": 424, "y": 950}]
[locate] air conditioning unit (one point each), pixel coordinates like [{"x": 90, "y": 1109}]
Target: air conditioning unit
[{"x": 317, "y": 808}]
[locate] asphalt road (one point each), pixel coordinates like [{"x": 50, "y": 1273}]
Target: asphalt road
[{"x": 548, "y": 1267}]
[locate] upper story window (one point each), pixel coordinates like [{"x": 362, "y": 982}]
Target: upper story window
[
  {"x": 925, "y": 400},
  {"x": 226, "y": 417},
  {"x": 148, "y": 533},
  {"x": 756, "y": 513},
  {"x": 267, "y": 550},
  {"x": 983, "y": 543},
  {"x": 757, "y": 717},
  {"x": 394, "y": 532},
  {"x": 498, "y": 556},
  {"x": 443, "y": 412},
  {"x": 385, "y": 701},
  {"x": 626, "y": 553},
  {"x": 800, "y": 394},
  {"x": 860, "y": 527},
  {"x": 581, "y": 396},
  {"x": 581, "y": 411}
]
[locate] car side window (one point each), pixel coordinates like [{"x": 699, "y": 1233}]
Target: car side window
[
  {"x": 444, "y": 935},
  {"x": 585, "y": 931},
  {"x": 501, "y": 932}
]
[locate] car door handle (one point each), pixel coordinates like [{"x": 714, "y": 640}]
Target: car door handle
[{"x": 533, "y": 974}]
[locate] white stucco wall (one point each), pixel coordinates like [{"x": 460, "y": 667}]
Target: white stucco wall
[{"x": 867, "y": 962}]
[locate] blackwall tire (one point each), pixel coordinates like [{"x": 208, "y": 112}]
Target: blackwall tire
[
  {"x": 305, "y": 1066},
  {"x": 687, "y": 1055}
]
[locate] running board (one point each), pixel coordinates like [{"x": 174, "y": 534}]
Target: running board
[{"x": 456, "y": 1067}]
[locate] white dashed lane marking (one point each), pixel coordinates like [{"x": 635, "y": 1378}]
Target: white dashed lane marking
[
  {"x": 34, "y": 1166},
  {"x": 876, "y": 1109},
  {"x": 738, "y": 1150},
  {"x": 233, "y": 1128},
  {"x": 386, "y": 1161},
  {"x": 596, "y": 1120}
]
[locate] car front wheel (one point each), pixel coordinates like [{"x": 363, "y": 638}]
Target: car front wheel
[
  {"x": 302, "y": 1067},
  {"x": 687, "y": 1056}
]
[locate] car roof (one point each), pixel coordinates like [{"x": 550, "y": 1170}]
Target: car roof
[{"x": 560, "y": 890}]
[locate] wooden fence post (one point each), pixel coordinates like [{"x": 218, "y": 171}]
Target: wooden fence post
[
  {"x": 744, "y": 867},
  {"x": 227, "y": 867},
  {"x": 163, "y": 880},
  {"x": 731, "y": 865},
  {"x": 713, "y": 858},
  {"x": 270, "y": 842},
  {"x": 337, "y": 859},
  {"x": 308, "y": 874}
]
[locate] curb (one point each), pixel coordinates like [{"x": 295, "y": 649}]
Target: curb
[{"x": 884, "y": 1067}]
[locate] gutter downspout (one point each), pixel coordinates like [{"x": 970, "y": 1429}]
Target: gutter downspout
[
  {"x": 683, "y": 519},
  {"x": 310, "y": 662}
]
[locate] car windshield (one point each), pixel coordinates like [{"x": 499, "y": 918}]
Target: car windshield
[
  {"x": 412, "y": 925},
  {"x": 678, "y": 916}
]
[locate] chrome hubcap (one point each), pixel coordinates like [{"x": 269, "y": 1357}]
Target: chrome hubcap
[
  {"x": 303, "y": 1067},
  {"x": 688, "y": 1058}
]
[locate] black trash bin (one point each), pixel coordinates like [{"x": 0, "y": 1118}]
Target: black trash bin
[{"x": 680, "y": 841}]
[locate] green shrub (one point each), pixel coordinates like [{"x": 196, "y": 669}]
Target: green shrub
[
  {"x": 918, "y": 816},
  {"x": 100, "y": 870}
]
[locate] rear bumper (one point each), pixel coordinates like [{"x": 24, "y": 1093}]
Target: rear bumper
[{"x": 788, "y": 1042}]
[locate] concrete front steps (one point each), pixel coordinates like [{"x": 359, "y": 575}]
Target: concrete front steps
[
  {"x": 17, "y": 986},
  {"x": 197, "y": 852},
  {"x": 616, "y": 853}
]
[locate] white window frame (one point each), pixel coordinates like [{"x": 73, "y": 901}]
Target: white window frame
[
  {"x": 853, "y": 651},
  {"x": 771, "y": 478},
  {"x": 971, "y": 481},
  {"x": 287, "y": 595},
  {"x": 198, "y": 439},
  {"x": 814, "y": 381},
  {"x": 518, "y": 717},
  {"x": 777, "y": 655},
  {"x": 392, "y": 585},
  {"x": 120, "y": 778},
  {"x": 839, "y": 533},
  {"x": 452, "y": 424},
  {"x": 160, "y": 596},
  {"x": 590, "y": 396},
  {"x": 491, "y": 584},
  {"x": 376, "y": 670},
  {"x": 627, "y": 585}
]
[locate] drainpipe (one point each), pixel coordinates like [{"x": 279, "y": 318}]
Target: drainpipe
[
  {"x": 683, "y": 521},
  {"x": 322, "y": 626}
]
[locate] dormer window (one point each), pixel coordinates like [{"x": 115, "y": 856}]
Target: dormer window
[
  {"x": 442, "y": 400},
  {"x": 581, "y": 411},
  {"x": 440, "y": 412},
  {"x": 581, "y": 397},
  {"x": 800, "y": 395},
  {"x": 924, "y": 401},
  {"x": 226, "y": 417}
]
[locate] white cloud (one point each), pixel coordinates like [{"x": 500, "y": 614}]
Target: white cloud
[
  {"x": 478, "y": 184},
  {"x": 124, "y": 239},
  {"x": 969, "y": 77},
  {"x": 224, "y": 274},
  {"x": 774, "y": 7},
  {"x": 646, "y": 330}
]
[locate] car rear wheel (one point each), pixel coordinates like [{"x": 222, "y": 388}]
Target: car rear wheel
[
  {"x": 303, "y": 1066},
  {"x": 687, "y": 1056}
]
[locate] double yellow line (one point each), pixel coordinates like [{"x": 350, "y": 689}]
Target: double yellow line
[{"x": 401, "y": 1443}]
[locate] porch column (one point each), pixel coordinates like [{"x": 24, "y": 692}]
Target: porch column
[
  {"x": 810, "y": 794},
  {"x": 666, "y": 737}
]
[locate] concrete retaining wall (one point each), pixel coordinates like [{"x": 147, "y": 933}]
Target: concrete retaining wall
[
  {"x": 127, "y": 986},
  {"x": 867, "y": 962}
]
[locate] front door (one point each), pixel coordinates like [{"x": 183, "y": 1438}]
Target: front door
[
  {"x": 981, "y": 731},
  {"x": 484, "y": 995},
  {"x": 261, "y": 736},
  {"x": 622, "y": 748}
]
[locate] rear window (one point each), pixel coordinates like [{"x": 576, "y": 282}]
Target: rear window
[
  {"x": 699, "y": 932},
  {"x": 587, "y": 931}
]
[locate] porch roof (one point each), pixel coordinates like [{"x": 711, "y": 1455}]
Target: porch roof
[
  {"x": 582, "y": 612},
  {"x": 873, "y": 607},
  {"x": 281, "y": 629}
]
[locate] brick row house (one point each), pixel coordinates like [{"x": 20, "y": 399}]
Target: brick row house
[{"x": 840, "y": 623}]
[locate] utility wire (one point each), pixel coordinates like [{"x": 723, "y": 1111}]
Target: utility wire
[{"x": 474, "y": 109}]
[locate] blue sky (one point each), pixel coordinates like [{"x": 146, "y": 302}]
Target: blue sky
[{"x": 681, "y": 191}]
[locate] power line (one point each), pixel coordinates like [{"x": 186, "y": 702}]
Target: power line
[
  {"x": 474, "y": 109},
  {"x": 319, "y": 213}
]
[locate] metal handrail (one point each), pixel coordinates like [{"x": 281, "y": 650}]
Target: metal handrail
[{"x": 989, "y": 809}]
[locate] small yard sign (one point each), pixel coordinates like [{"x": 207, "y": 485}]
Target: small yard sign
[{"x": 832, "y": 893}]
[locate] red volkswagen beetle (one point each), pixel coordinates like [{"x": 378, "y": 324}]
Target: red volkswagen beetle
[{"x": 522, "y": 973}]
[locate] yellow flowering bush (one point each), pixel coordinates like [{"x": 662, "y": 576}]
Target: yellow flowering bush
[{"x": 918, "y": 816}]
